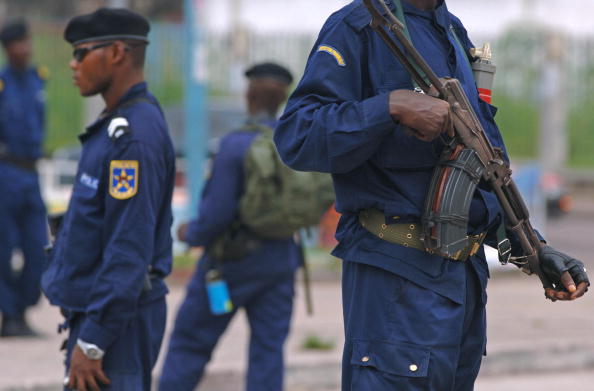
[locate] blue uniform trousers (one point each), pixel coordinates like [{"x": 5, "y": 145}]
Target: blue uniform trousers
[
  {"x": 22, "y": 226},
  {"x": 268, "y": 303},
  {"x": 129, "y": 361},
  {"x": 400, "y": 336}
]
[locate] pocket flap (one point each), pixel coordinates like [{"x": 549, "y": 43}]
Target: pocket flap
[{"x": 397, "y": 358}]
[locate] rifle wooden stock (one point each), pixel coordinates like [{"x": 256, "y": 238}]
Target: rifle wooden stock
[{"x": 469, "y": 131}]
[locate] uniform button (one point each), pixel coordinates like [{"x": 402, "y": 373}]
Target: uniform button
[
  {"x": 413, "y": 368},
  {"x": 365, "y": 359},
  {"x": 384, "y": 226},
  {"x": 412, "y": 226}
]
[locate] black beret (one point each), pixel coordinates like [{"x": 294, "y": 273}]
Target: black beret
[
  {"x": 13, "y": 31},
  {"x": 269, "y": 69},
  {"x": 107, "y": 24}
]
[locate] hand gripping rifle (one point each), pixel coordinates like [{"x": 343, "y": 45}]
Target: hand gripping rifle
[{"x": 467, "y": 158}]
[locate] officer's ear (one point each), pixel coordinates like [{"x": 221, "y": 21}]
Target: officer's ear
[{"x": 118, "y": 52}]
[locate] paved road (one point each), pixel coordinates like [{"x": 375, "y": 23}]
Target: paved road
[{"x": 533, "y": 344}]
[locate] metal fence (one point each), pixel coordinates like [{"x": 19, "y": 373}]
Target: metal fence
[{"x": 519, "y": 55}]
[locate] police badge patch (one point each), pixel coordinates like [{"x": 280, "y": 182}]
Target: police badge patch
[{"x": 123, "y": 178}]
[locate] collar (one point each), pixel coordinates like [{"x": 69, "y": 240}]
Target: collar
[
  {"x": 134, "y": 92},
  {"x": 262, "y": 119},
  {"x": 358, "y": 17},
  {"x": 16, "y": 72},
  {"x": 440, "y": 14}
]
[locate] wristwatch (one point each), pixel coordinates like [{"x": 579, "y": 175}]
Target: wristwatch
[{"x": 90, "y": 350}]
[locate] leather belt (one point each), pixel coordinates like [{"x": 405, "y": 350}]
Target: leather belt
[{"x": 409, "y": 234}]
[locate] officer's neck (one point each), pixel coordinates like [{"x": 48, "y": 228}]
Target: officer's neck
[
  {"x": 427, "y": 5},
  {"x": 18, "y": 66},
  {"x": 120, "y": 84},
  {"x": 261, "y": 116}
]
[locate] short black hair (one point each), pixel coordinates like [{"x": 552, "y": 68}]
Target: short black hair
[
  {"x": 15, "y": 30},
  {"x": 137, "y": 52},
  {"x": 270, "y": 70}
]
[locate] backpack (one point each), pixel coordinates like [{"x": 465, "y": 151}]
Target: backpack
[{"x": 278, "y": 200}]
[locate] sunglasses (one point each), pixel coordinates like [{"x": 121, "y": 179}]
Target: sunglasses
[{"x": 79, "y": 54}]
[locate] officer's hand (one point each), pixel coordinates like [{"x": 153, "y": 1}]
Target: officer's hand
[
  {"x": 567, "y": 274},
  {"x": 425, "y": 116},
  {"x": 181, "y": 231},
  {"x": 85, "y": 374}
]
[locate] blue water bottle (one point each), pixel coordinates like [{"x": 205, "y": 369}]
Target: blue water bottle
[{"x": 218, "y": 293}]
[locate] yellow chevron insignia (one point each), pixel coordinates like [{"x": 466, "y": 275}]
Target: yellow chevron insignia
[{"x": 334, "y": 53}]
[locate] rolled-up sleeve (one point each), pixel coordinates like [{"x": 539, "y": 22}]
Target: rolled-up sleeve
[{"x": 219, "y": 204}]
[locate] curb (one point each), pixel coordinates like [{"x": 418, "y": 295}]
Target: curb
[{"x": 326, "y": 376}]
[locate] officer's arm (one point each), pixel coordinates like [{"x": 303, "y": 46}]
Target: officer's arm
[
  {"x": 220, "y": 199},
  {"x": 332, "y": 123},
  {"x": 128, "y": 239}
]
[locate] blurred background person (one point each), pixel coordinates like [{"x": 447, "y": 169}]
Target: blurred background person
[
  {"x": 260, "y": 273},
  {"x": 23, "y": 231}
]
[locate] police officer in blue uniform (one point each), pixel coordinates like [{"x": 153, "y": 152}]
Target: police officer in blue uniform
[
  {"x": 113, "y": 248},
  {"x": 261, "y": 280},
  {"x": 22, "y": 212},
  {"x": 413, "y": 320}
]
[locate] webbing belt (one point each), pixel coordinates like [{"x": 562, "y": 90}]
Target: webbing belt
[{"x": 409, "y": 234}]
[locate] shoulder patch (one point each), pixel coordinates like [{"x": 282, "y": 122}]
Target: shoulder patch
[
  {"x": 43, "y": 72},
  {"x": 118, "y": 127},
  {"x": 334, "y": 53},
  {"x": 123, "y": 178}
]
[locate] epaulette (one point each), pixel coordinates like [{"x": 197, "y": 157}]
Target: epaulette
[
  {"x": 43, "y": 72},
  {"x": 358, "y": 18},
  {"x": 118, "y": 127}
]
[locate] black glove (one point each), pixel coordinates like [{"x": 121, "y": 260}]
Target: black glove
[{"x": 554, "y": 263}]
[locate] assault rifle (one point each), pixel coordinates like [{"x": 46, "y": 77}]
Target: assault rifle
[{"x": 467, "y": 157}]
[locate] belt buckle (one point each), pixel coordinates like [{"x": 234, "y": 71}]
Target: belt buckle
[{"x": 478, "y": 241}]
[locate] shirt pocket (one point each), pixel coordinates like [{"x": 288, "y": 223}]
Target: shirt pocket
[
  {"x": 405, "y": 152},
  {"x": 488, "y": 112},
  {"x": 386, "y": 365},
  {"x": 394, "y": 79},
  {"x": 402, "y": 150}
]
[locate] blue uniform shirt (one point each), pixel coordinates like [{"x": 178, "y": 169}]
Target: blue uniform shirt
[
  {"x": 22, "y": 112},
  {"x": 117, "y": 227},
  {"x": 338, "y": 121},
  {"x": 219, "y": 208}
]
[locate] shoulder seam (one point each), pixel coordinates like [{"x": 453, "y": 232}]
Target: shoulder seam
[{"x": 358, "y": 18}]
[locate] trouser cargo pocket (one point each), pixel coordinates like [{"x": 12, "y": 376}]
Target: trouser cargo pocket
[{"x": 387, "y": 366}]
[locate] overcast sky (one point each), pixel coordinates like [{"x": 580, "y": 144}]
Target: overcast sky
[{"x": 484, "y": 17}]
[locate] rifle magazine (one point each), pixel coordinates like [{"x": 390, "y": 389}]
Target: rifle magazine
[{"x": 445, "y": 216}]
